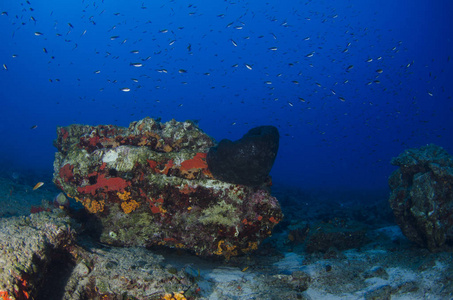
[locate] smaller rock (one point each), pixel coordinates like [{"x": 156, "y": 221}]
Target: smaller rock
[
  {"x": 406, "y": 287},
  {"x": 322, "y": 237},
  {"x": 81, "y": 269},
  {"x": 376, "y": 271},
  {"x": 61, "y": 200},
  {"x": 382, "y": 292}
]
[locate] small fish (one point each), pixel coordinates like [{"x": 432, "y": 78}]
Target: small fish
[
  {"x": 126, "y": 89},
  {"x": 182, "y": 71},
  {"x": 4, "y": 13},
  {"x": 163, "y": 31},
  {"x": 44, "y": 49},
  {"x": 114, "y": 37},
  {"x": 248, "y": 66},
  {"x": 34, "y": 127},
  {"x": 97, "y": 71},
  {"x": 5, "y": 67},
  {"x": 37, "y": 33},
  {"x": 134, "y": 79},
  {"x": 290, "y": 104},
  {"x": 273, "y": 48},
  {"x": 379, "y": 71},
  {"x": 136, "y": 64},
  {"x": 369, "y": 60},
  {"x": 171, "y": 42},
  {"x": 70, "y": 25},
  {"x": 309, "y": 55},
  {"x": 38, "y": 185},
  {"x": 341, "y": 99},
  {"x": 134, "y": 51},
  {"x": 234, "y": 43}
]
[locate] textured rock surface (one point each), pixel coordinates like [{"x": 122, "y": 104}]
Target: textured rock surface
[
  {"x": 246, "y": 161},
  {"x": 27, "y": 245},
  {"x": 149, "y": 184},
  {"x": 422, "y": 195}
]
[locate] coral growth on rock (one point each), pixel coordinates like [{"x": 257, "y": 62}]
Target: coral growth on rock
[
  {"x": 422, "y": 196},
  {"x": 149, "y": 184}
]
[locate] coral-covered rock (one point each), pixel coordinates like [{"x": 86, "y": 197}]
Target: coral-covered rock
[
  {"x": 422, "y": 195},
  {"x": 149, "y": 184},
  {"x": 28, "y": 246},
  {"x": 248, "y": 160}
]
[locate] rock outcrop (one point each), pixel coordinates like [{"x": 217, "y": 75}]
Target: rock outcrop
[
  {"x": 149, "y": 185},
  {"x": 422, "y": 196},
  {"x": 27, "y": 247}
]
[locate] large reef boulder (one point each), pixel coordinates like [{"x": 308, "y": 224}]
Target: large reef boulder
[
  {"x": 149, "y": 185},
  {"x": 422, "y": 196},
  {"x": 246, "y": 161}
]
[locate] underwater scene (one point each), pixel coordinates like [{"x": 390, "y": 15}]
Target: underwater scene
[{"x": 226, "y": 149}]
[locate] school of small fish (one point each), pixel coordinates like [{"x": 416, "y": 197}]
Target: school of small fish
[{"x": 286, "y": 63}]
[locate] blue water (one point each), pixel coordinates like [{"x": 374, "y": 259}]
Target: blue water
[{"x": 341, "y": 116}]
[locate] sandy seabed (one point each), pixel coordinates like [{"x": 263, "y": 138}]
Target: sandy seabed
[{"x": 48, "y": 255}]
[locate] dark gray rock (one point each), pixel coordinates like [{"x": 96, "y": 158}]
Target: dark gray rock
[
  {"x": 246, "y": 161},
  {"x": 422, "y": 196}
]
